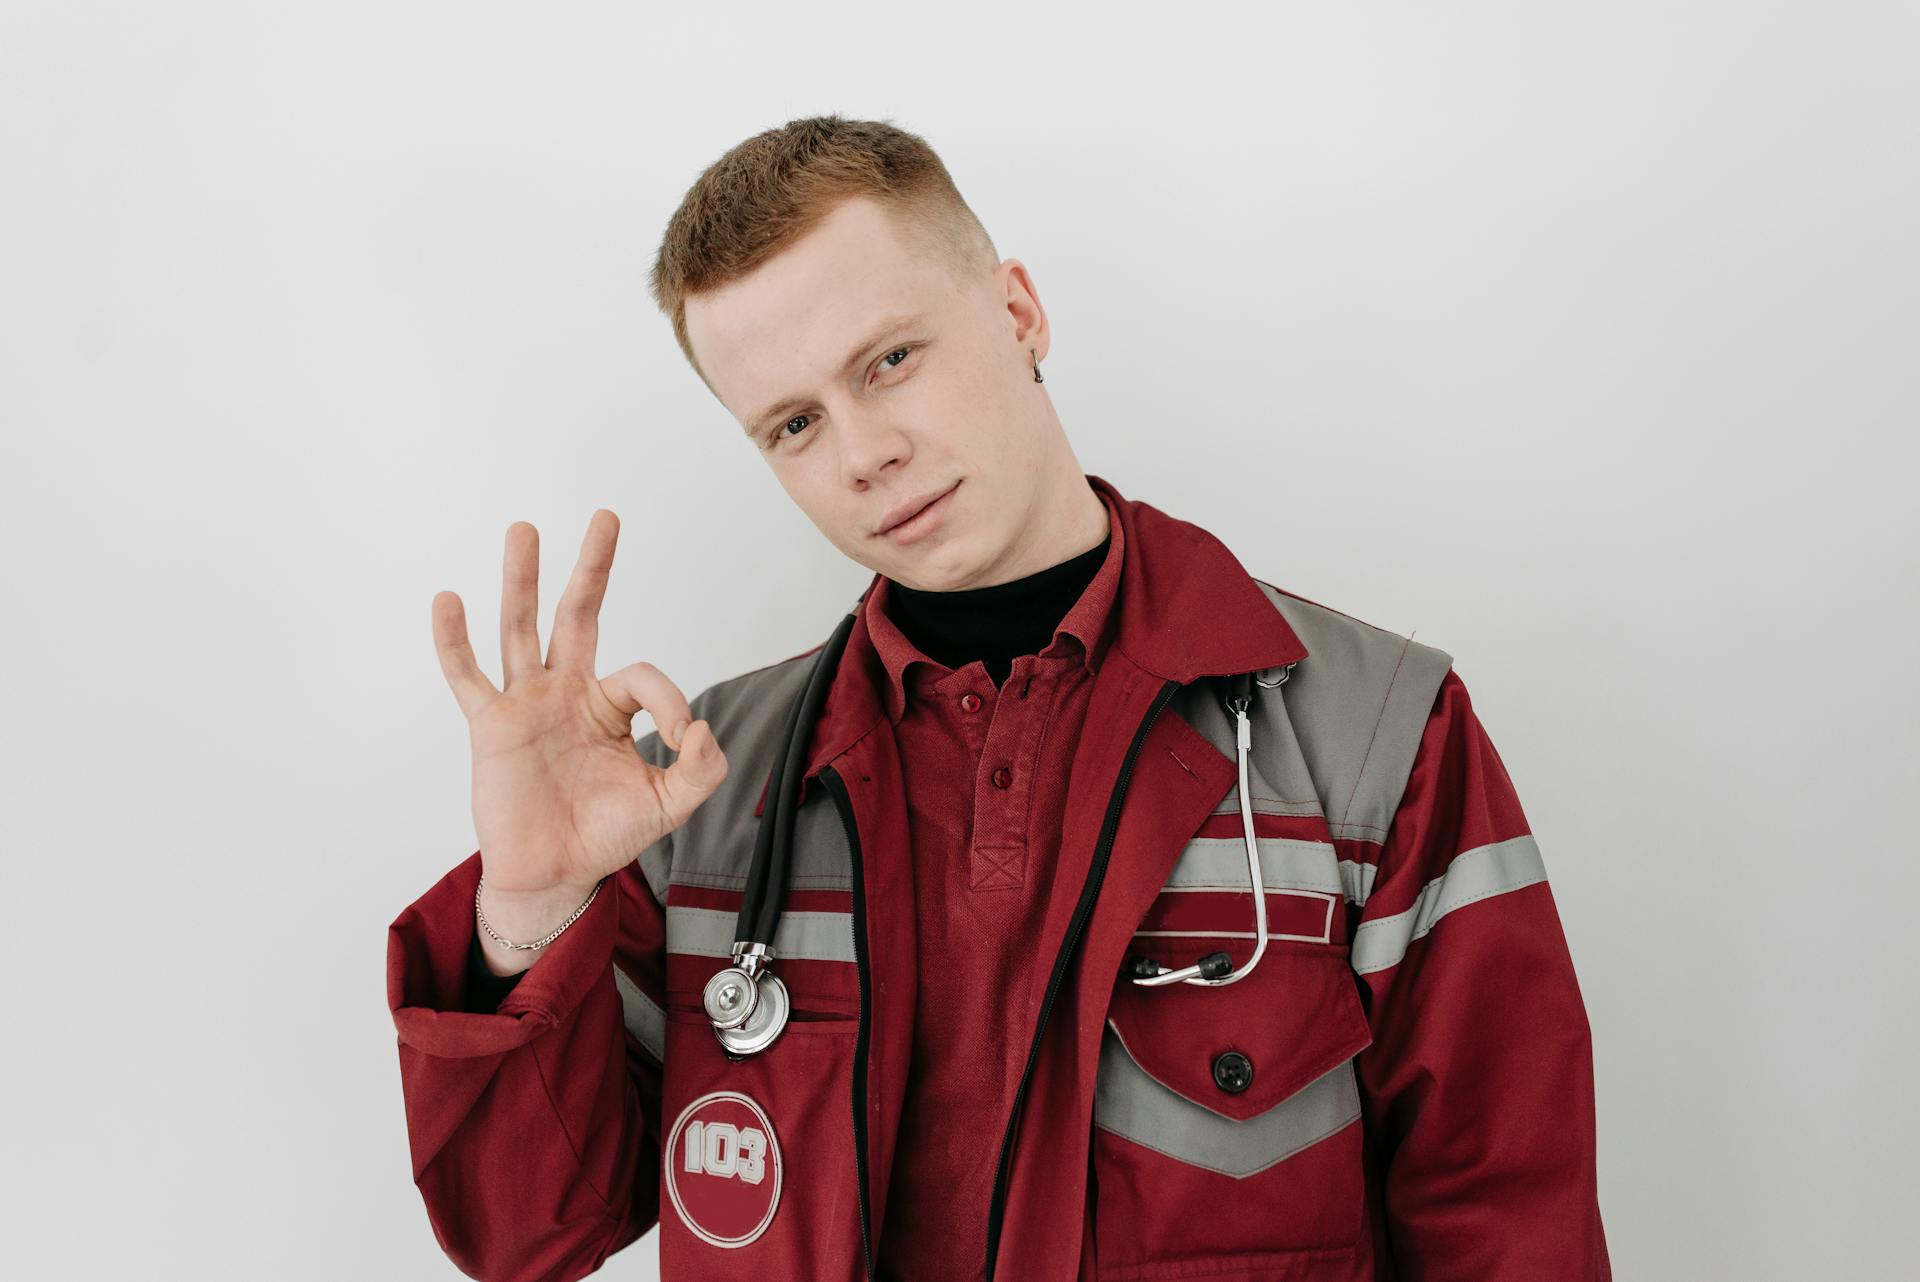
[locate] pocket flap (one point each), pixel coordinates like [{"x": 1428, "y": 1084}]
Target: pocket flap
[{"x": 1296, "y": 1016}]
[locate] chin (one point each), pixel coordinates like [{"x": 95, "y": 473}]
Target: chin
[{"x": 951, "y": 570}]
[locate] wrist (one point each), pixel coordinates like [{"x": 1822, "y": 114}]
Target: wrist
[{"x": 516, "y": 925}]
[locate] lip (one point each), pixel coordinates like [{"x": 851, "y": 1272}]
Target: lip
[{"x": 921, "y": 522}]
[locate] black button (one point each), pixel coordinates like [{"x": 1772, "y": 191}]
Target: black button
[{"x": 1232, "y": 1072}]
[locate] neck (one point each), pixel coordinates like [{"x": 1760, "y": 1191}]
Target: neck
[
  {"x": 1060, "y": 522},
  {"x": 1000, "y": 621}
]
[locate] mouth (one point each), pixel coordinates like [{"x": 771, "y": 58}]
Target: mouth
[{"x": 920, "y": 519}]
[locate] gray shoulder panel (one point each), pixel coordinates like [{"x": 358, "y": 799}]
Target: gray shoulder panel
[
  {"x": 1358, "y": 704},
  {"x": 655, "y": 859},
  {"x": 714, "y": 847}
]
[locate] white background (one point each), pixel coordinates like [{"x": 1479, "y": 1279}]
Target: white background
[{"x": 1576, "y": 340}]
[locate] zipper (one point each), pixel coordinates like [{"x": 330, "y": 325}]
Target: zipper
[
  {"x": 844, "y": 804},
  {"x": 996, "y": 1209}
]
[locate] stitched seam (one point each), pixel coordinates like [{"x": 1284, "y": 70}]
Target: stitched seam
[
  {"x": 735, "y": 880},
  {"x": 559, "y": 1121},
  {"x": 1139, "y": 1270},
  {"x": 1284, "y": 801},
  {"x": 1031, "y": 766},
  {"x": 1521, "y": 884},
  {"x": 1267, "y": 814}
]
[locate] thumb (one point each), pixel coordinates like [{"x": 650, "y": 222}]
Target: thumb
[{"x": 701, "y": 766}]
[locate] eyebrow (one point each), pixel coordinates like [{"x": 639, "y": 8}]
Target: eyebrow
[{"x": 758, "y": 422}]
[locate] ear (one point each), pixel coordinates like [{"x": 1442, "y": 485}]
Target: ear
[{"x": 1027, "y": 319}]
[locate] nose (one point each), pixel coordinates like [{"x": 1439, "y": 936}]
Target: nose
[{"x": 871, "y": 442}]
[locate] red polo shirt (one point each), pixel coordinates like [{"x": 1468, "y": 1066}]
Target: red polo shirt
[{"x": 986, "y": 771}]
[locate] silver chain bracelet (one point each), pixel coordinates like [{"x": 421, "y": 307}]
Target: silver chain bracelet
[{"x": 542, "y": 942}]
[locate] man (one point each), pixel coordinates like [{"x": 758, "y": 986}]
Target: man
[{"x": 1022, "y": 795}]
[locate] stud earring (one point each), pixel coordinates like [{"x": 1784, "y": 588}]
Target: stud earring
[{"x": 1036, "y": 367}]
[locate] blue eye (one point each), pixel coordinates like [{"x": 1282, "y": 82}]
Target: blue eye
[
  {"x": 901, "y": 352},
  {"x": 782, "y": 433}
]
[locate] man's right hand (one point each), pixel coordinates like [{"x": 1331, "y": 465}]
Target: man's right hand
[{"x": 560, "y": 796}]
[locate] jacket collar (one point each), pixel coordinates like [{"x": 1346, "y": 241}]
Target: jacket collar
[
  {"x": 1186, "y": 608},
  {"x": 1084, "y": 631}
]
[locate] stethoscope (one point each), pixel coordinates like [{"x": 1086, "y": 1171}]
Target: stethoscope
[{"x": 746, "y": 1002}]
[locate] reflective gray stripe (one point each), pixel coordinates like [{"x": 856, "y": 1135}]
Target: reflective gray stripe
[
  {"x": 646, "y": 1021},
  {"x": 1220, "y": 863},
  {"x": 1477, "y": 874},
  {"x": 708, "y": 932},
  {"x": 1129, "y": 1103},
  {"x": 1356, "y": 880}
]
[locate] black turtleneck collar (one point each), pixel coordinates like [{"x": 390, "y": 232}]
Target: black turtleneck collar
[{"x": 995, "y": 623}]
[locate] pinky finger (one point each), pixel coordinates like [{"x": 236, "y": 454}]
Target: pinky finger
[{"x": 471, "y": 688}]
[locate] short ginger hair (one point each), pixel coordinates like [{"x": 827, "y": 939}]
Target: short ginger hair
[{"x": 771, "y": 189}]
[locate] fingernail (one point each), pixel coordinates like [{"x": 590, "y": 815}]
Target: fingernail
[{"x": 680, "y": 732}]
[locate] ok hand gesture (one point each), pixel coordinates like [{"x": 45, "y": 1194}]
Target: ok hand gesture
[{"x": 560, "y": 796}]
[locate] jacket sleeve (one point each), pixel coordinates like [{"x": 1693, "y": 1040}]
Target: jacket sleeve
[
  {"x": 534, "y": 1127},
  {"x": 1478, "y": 1087}
]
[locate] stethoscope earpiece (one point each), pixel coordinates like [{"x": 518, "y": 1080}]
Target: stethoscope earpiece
[{"x": 1141, "y": 968}]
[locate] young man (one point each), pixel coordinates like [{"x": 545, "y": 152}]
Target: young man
[{"x": 1023, "y": 792}]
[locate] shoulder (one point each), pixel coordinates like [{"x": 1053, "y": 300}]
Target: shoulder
[
  {"x": 1358, "y": 651},
  {"x": 766, "y": 689},
  {"x": 1358, "y": 703}
]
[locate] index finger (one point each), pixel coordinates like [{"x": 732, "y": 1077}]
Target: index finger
[{"x": 641, "y": 685}]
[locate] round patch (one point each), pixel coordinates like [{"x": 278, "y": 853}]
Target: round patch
[{"x": 723, "y": 1168}]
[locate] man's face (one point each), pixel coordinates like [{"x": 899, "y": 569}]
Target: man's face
[{"x": 869, "y": 378}]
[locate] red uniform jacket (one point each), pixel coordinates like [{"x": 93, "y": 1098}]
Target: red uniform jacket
[{"x": 1402, "y": 1088}]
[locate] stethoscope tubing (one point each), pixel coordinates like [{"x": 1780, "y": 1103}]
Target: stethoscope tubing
[
  {"x": 773, "y": 844},
  {"x": 1238, "y": 704}
]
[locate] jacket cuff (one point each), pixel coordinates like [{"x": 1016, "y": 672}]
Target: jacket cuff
[{"x": 428, "y": 949}]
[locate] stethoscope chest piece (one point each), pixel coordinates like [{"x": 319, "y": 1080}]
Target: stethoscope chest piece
[{"x": 747, "y": 1006}]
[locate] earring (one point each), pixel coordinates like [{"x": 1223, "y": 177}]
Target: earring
[{"x": 1036, "y": 367}]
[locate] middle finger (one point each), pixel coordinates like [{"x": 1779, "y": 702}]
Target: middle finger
[
  {"x": 519, "y": 601},
  {"x": 576, "y": 620}
]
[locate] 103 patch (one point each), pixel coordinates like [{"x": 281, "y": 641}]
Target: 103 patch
[{"x": 723, "y": 1169}]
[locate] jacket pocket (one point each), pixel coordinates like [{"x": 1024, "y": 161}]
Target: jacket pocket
[
  {"x": 1227, "y": 1120},
  {"x": 757, "y": 1173}
]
